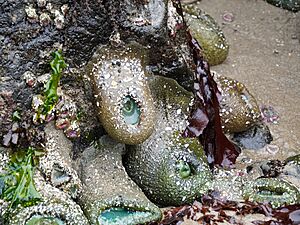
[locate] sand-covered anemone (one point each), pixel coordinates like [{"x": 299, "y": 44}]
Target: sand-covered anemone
[
  {"x": 209, "y": 34},
  {"x": 56, "y": 208},
  {"x": 126, "y": 107},
  {"x": 170, "y": 173},
  {"x": 275, "y": 191},
  {"x": 109, "y": 196},
  {"x": 56, "y": 163},
  {"x": 238, "y": 185},
  {"x": 53, "y": 206},
  {"x": 238, "y": 108},
  {"x": 171, "y": 170}
]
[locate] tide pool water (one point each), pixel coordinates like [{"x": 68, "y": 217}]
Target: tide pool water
[{"x": 123, "y": 216}]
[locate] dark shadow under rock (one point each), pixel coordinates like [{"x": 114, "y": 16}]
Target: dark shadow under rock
[
  {"x": 254, "y": 138},
  {"x": 266, "y": 169},
  {"x": 291, "y": 170}
]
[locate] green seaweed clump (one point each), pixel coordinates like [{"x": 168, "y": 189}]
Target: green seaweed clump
[
  {"x": 17, "y": 180},
  {"x": 57, "y": 65},
  {"x": 45, "y": 104}
]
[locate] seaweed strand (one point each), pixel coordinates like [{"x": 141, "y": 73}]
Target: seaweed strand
[{"x": 205, "y": 121}]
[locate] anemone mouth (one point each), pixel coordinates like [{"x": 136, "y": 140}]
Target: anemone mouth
[
  {"x": 182, "y": 178},
  {"x": 185, "y": 169},
  {"x": 44, "y": 220},
  {"x": 186, "y": 165},
  {"x": 276, "y": 192},
  {"x": 124, "y": 216},
  {"x": 268, "y": 191},
  {"x": 131, "y": 111}
]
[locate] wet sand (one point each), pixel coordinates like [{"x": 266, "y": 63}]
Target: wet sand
[{"x": 265, "y": 55}]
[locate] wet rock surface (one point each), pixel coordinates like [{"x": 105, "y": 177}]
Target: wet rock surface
[
  {"x": 292, "y": 5},
  {"x": 27, "y": 41},
  {"x": 290, "y": 171}
]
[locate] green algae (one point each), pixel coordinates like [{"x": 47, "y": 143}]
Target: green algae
[
  {"x": 57, "y": 65},
  {"x": 19, "y": 187},
  {"x": 45, "y": 103}
]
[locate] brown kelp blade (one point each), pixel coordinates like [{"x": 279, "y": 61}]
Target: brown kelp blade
[{"x": 205, "y": 121}]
